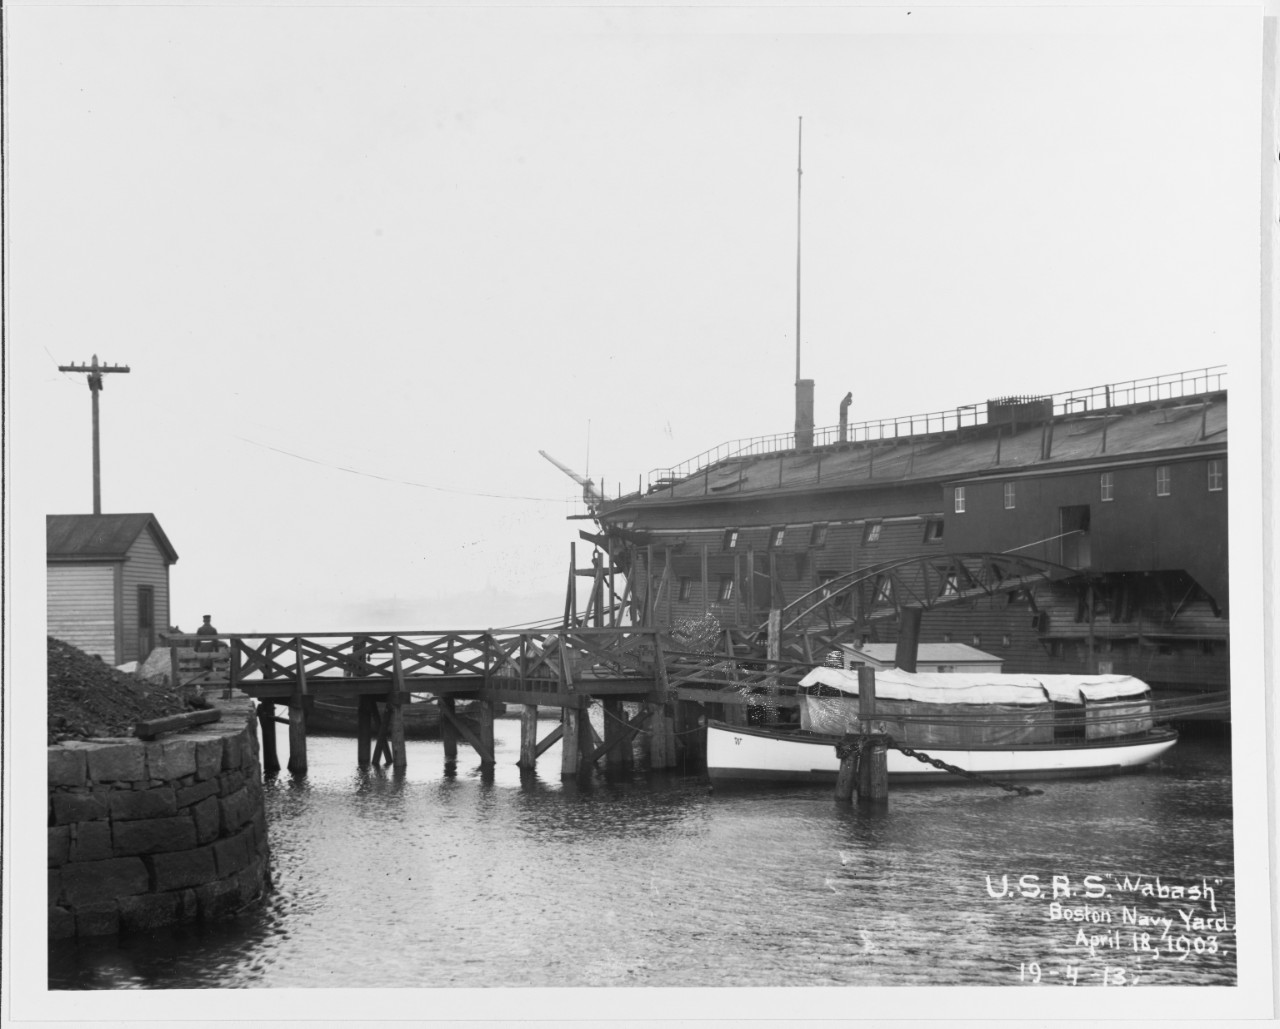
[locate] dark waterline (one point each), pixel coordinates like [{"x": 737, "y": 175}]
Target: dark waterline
[{"x": 429, "y": 881}]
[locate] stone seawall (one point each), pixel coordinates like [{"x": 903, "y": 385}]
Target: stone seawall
[{"x": 148, "y": 834}]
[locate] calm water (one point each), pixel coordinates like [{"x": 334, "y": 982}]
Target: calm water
[{"x": 426, "y": 881}]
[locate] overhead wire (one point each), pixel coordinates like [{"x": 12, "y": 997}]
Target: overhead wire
[{"x": 399, "y": 482}]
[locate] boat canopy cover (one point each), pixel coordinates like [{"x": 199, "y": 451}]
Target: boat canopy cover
[{"x": 981, "y": 687}]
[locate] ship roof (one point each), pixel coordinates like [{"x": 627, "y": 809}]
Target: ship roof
[{"x": 1107, "y": 438}]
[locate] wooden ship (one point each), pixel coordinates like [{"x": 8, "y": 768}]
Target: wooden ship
[{"x": 1080, "y": 532}]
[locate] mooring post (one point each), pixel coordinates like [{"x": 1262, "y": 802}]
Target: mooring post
[
  {"x": 528, "y": 736},
  {"x": 267, "y": 723},
  {"x": 873, "y": 769},
  {"x": 448, "y": 734},
  {"x": 395, "y": 710},
  {"x": 846, "y": 777},
  {"x": 298, "y": 715},
  {"x": 364, "y": 730}
]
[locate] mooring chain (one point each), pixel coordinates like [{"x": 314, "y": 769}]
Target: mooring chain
[{"x": 1022, "y": 791}]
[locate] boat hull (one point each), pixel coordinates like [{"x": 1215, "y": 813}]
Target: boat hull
[
  {"x": 340, "y": 715},
  {"x": 747, "y": 754}
]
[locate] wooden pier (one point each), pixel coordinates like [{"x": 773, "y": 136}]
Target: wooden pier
[{"x": 641, "y": 688}]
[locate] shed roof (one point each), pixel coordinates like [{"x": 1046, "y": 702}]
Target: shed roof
[
  {"x": 101, "y": 537},
  {"x": 946, "y": 653}
]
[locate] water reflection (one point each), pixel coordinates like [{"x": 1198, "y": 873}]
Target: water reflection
[{"x": 646, "y": 879}]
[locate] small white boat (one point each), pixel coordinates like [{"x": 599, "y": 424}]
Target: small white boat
[{"x": 1007, "y": 727}]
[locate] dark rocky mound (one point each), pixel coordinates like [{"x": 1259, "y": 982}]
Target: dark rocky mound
[{"x": 87, "y": 697}]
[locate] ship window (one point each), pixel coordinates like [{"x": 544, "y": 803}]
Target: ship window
[
  {"x": 1107, "y": 486},
  {"x": 776, "y": 535},
  {"x": 730, "y": 539},
  {"x": 1215, "y": 476},
  {"x": 726, "y": 587},
  {"x": 977, "y": 640},
  {"x": 1010, "y": 496},
  {"x": 959, "y": 500},
  {"x": 871, "y": 534},
  {"x": 933, "y": 530},
  {"x": 818, "y": 534},
  {"x": 686, "y": 587},
  {"x": 1162, "y": 480}
]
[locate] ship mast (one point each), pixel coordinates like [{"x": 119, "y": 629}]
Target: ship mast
[{"x": 799, "y": 174}]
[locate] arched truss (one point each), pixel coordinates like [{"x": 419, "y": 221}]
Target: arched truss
[{"x": 834, "y": 609}]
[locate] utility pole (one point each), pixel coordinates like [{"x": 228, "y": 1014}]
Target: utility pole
[{"x": 95, "y": 372}]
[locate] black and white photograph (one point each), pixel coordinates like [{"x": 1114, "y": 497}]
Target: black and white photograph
[{"x": 632, "y": 514}]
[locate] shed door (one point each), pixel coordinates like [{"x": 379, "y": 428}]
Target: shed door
[
  {"x": 1074, "y": 527},
  {"x": 146, "y": 622}
]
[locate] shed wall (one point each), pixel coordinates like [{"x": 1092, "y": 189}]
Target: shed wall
[{"x": 80, "y": 607}]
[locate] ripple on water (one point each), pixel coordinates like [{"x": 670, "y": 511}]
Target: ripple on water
[{"x": 504, "y": 880}]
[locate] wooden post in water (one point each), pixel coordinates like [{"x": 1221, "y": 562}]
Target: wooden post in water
[
  {"x": 873, "y": 769},
  {"x": 395, "y": 710},
  {"x": 615, "y": 759},
  {"x": 267, "y": 723},
  {"x": 845, "y": 778},
  {"x": 484, "y": 716},
  {"x": 571, "y": 718},
  {"x": 364, "y": 730},
  {"x": 448, "y": 734},
  {"x": 528, "y": 737},
  {"x": 298, "y": 716}
]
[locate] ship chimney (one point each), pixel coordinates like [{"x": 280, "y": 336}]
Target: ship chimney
[
  {"x": 844, "y": 417},
  {"x": 804, "y": 413}
]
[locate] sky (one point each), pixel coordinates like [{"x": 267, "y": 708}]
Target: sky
[{"x": 365, "y": 262}]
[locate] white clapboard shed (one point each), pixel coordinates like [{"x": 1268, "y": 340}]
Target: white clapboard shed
[{"x": 108, "y": 583}]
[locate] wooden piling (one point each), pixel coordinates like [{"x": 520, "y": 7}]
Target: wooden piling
[
  {"x": 298, "y": 715},
  {"x": 873, "y": 769},
  {"x": 297, "y": 738},
  {"x": 484, "y": 715},
  {"x": 846, "y": 778},
  {"x": 448, "y": 734},
  {"x": 364, "y": 731},
  {"x": 395, "y": 710},
  {"x": 528, "y": 736},
  {"x": 616, "y": 755},
  {"x": 267, "y": 724},
  {"x": 571, "y": 718}
]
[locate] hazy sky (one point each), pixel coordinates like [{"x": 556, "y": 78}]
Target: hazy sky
[{"x": 365, "y": 262}]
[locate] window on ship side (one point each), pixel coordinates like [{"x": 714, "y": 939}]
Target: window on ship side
[
  {"x": 1010, "y": 496},
  {"x": 686, "y": 587},
  {"x": 1107, "y": 486},
  {"x": 959, "y": 504},
  {"x": 726, "y": 587},
  {"x": 776, "y": 535},
  {"x": 1163, "y": 488},
  {"x": 730, "y": 539},
  {"x": 871, "y": 533},
  {"x": 818, "y": 534},
  {"x": 933, "y": 530},
  {"x": 1215, "y": 477}
]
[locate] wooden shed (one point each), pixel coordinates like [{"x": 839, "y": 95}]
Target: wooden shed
[{"x": 108, "y": 583}]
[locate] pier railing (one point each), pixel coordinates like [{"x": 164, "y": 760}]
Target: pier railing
[{"x": 1127, "y": 393}]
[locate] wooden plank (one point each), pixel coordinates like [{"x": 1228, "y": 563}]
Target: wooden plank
[
  {"x": 552, "y": 738},
  {"x": 465, "y": 731},
  {"x": 153, "y": 727}
]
